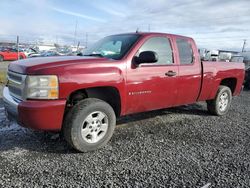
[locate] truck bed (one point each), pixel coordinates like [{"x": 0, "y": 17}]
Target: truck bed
[{"x": 213, "y": 72}]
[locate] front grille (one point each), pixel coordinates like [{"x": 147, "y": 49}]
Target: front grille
[{"x": 16, "y": 84}]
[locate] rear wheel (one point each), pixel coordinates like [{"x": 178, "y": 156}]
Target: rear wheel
[
  {"x": 89, "y": 125},
  {"x": 1, "y": 58},
  {"x": 221, "y": 104}
]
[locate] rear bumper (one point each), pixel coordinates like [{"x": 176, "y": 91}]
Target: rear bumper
[{"x": 35, "y": 114}]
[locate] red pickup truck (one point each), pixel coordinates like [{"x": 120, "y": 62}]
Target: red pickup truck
[
  {"x": 119, "y": 75},
  {"x": 11, "y": 54}
]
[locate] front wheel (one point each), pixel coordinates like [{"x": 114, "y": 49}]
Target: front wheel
[
  {"x": 221, "y": 104},
  {"x": 89, "y": 125}
]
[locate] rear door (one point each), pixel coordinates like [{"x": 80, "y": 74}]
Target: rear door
[
  {"x": 148, "y": 85},
  {"x": 189, "y": 82}
]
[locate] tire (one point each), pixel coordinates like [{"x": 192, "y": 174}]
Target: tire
[
  {"x": 1, "y": 58},
  {"x": 89, "y": 125},
  {"x": 20, "y": 57},
  {"x": 221, "y": 104}
]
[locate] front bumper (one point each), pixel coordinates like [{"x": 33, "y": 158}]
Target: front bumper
[
  {"x": 35, "y": 114},
  {"x": 11, "y": 105}
]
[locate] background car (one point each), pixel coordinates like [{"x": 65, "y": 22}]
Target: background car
[
  {"x": 28, "y": 51},
  {"x": 237, "y": 58},
  {"x": 247, "y": 78},
  {"x": 11, "y": 54}
]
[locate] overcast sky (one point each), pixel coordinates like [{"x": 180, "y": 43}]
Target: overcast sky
[{"x": 214, "y": 24}]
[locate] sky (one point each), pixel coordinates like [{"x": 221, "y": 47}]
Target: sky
[{"x": 214, "y": 24}]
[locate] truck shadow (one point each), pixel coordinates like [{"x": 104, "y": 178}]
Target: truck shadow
[
  {"x": 16, "y": 138},
  {"x": 193, "y": 109}
]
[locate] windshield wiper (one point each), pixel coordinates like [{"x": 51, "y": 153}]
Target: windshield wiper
[{"x": 98, "y": 55}]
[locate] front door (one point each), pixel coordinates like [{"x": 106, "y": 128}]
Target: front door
[{"x": 153, "y": 85}]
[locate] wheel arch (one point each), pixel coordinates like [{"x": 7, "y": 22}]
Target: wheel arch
[
  {"x": 109, "y": 94},
  {"x": 229, "y": 82}
]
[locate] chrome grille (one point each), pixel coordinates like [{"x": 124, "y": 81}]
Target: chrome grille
[{"x": 16, "y": 84}]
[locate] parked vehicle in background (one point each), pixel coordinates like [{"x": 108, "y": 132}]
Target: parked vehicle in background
[
  {"x": 237, "y": 58},
  {"x": 34, "y": 55},
  {"x": 50, "y": 53},
  {"x": 225, "y": 56},
  {"x": 46, "y": 54},
  {"x": 247, "y": 78},
  {"x": 246, "y": 60},
  {"x": 29, "y": 51},
  {"x": 203, "y": 52},
  {"x": 120, "y": 75},
  {"x": 11, "y": 54},
  {"x": 211, "y": 55}
]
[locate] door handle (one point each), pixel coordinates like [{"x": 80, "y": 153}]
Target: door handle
[{"x": 170, "y": 73}]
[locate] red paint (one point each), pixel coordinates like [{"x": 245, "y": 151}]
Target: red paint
[
  {"x": 9, "y": 55},
  {"x": 195, "y": 82},
  {"x": 41, "y": 115}
]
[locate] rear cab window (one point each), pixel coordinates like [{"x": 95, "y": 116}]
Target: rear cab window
[{"x": 185, "y": 51}]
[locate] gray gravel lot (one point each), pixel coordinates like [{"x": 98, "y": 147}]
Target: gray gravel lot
[{"x": 178, "y": 147}]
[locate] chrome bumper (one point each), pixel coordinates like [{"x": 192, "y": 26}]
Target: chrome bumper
[{"x": 11, "y": 105}]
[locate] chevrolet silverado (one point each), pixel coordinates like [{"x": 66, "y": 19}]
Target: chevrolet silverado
[{"x": 119, "y": 75}]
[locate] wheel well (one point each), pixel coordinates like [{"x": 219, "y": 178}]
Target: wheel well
[
  {"x": 108, "y": 94},
  {"x": 229, "y": 82}
]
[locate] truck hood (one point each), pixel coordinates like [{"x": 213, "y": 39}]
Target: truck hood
[{"x": 31, "y": 65}]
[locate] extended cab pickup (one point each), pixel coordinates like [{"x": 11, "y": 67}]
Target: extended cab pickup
[{"x": 119, "y": 75}]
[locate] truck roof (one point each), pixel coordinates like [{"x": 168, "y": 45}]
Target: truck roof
[{"x": 154, "y": 33}]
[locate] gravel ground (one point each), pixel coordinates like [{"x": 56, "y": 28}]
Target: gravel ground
[
  {"x": 177, "y": 147},
  {"x": 4, "y": 65}
]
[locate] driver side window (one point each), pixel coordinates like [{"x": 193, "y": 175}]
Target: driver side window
[{"x": 160, "y": 45}]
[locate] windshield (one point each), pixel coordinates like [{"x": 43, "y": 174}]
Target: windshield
[{"x": 114, "y": 47}]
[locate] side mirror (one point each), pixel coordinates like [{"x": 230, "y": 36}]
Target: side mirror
[{"x": 147, "y": 57}]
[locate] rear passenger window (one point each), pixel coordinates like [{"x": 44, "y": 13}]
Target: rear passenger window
[
  {"x": 185, "y": 51},
  {"x": 161, "y": 46}
]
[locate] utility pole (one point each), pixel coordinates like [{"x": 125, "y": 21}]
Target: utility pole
[
  {"x": 244, "y": 45},
  {"x": 17, "y": 43},
  {"x": 148, "y": 27},
  {"x": 75, "y": 33},
  {"x": 86, "y": 40}
]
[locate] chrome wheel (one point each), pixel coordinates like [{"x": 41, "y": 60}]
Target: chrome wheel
[
  {"x": 223, "y": 101},
  {"x": 94, "y": 127}
]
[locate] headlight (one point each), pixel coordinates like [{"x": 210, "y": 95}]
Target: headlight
[{"x": 42, "y": 87}]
